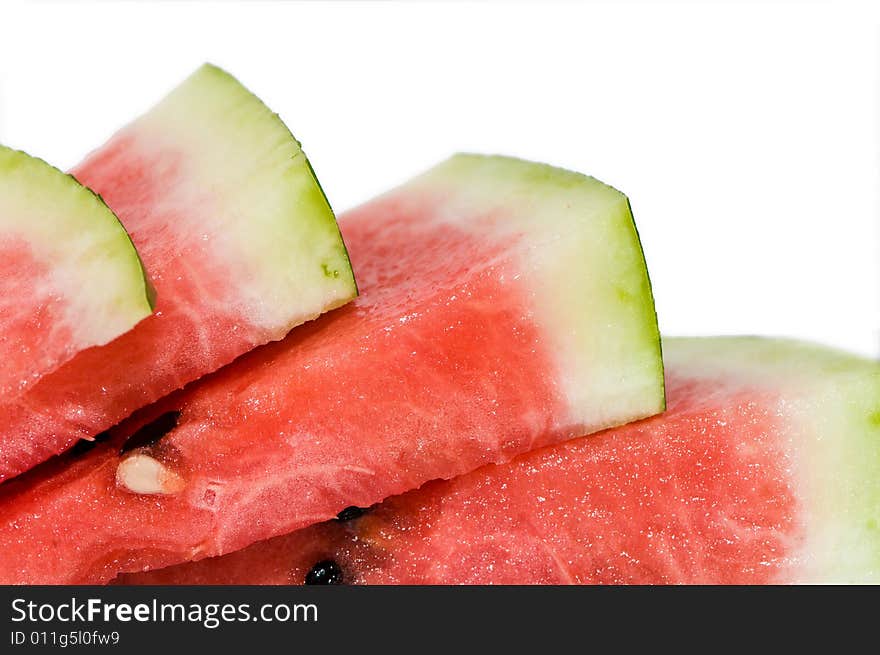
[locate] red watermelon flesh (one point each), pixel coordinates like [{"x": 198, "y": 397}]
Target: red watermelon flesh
[
  {"x": 762, "y": 470},
  {"x": 240, "y": 243},
  {"x": 31, "y": 348},
  {"x": 447, "y": 361}
]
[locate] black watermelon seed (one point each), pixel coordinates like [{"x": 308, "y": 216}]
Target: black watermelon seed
[
  {"x": 151, "y": 432},
  {"x": 85, "y": 445},
  {"x": 325, "y": 572},
  {"x": 351, "y": 513}
]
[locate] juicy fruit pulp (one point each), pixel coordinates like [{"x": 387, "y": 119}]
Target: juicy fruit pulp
[
  {"x": 239, "y": 240},
  {"x": 459, "y": 352},
  {"x": 763, "y": 470},
  {"x": 69, "y": 275}
]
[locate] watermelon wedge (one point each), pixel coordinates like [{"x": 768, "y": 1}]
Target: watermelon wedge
[
  {"x": 70, "y": 277},
  {"x": 764, "y": 469},
  {"x": 240, "y": 243},
  {"x": 504, "y": 306}
]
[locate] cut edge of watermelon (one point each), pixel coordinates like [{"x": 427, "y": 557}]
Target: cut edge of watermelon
[
  {"x": 95, "y": 266},
  {"x": 280, "y": 233},
  {"x": 592, "y": 292},
  {"x": 834, "y": 401}
]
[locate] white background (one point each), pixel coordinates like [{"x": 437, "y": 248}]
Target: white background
[{"x": 745, "y": 136}]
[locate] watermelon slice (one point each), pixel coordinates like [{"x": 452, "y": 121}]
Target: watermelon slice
[
  {"x": 504, "y": 306},
  {"x": 70, "y": 277},
  {"x": 240, "y": 243},
  {"x": 764, "y": 469}
]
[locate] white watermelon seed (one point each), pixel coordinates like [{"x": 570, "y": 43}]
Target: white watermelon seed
[{"x": 142, "y": 474}]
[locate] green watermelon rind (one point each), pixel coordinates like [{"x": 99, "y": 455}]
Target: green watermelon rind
[
  {"x": 832, "y": 399},
  {"x": 242, "y": 154},
  {"x": 591, "y": 287},
  {"x": 71, "y": 227}
]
